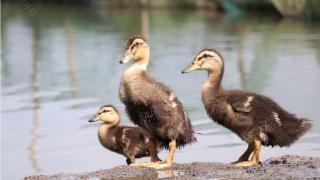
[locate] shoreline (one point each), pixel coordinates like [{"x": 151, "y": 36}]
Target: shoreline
[{"x": 283, "y": 167}]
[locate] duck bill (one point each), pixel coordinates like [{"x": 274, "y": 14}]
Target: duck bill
[
  {"x": 189, "y": 69},
  {"x": 126, "y": 57},
  {"x": 93, "y": 119}
]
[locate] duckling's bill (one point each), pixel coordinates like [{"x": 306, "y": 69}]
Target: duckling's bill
[
  {"x": 190, "y": 68},
  {"x": 93, "y": 119},
  {"x": 126, "y": 57}
]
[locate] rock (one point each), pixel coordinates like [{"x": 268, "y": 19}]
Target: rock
[{"x": 284, "y": 167}]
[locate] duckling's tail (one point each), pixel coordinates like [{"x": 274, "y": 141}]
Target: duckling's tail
[
  {"x": 304, "y": 126},
  {"x": 295, "y": 129}
]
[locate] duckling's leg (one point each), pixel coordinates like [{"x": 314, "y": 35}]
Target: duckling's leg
[
  {"x": 169, "y": 160},
  {"x": 255, "y": 157},
  {"x": 153, "y": 154},
  {"x": 172, "y": 149},
  {"x": 153, "y": 151},
  {"x": 130, "y": 160},
  {"x": 245, "y": 156}
]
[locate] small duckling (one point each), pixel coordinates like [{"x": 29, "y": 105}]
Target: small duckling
[
  {"x": 152, "y": 105},
  {"x": 256, "y": 119},
  {"x": 131, "y": 142}
]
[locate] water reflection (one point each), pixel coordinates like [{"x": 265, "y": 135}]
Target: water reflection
[
  {"x": 145, "y": 23},
  {"x": 34, "y": 86},
  {"x": 165, "y": 173},
  {"x": 70, "y": 61},
  {"x": 4, "y": 50},
  {"x": 74, "y": 69},
  {"x": 241, "y": 61}
]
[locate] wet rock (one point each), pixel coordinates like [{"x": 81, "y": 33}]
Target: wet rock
[{"x": 284, "y": 167}]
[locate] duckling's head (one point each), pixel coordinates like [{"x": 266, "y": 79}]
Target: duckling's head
[
  {"x": 207, "y": 59},
  {"x": 137, "y": 49},
  {"x": 107, "y": 114}
]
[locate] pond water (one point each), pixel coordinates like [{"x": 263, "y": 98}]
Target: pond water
[{"x": 61, "y": 63}]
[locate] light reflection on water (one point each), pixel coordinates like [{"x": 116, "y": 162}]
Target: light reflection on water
[{"x": 59, "y": 66}]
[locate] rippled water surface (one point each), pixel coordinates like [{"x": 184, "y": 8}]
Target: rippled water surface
[{"x": 61, "y": 64}]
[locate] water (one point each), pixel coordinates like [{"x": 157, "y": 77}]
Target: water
[{"x": 60, "y": 64}]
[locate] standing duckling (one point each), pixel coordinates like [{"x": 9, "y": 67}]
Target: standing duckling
[
  {"x": 132, "y": 142},
  {"x": 152, "y": 105},
  {"x": 256, "y": 119}
]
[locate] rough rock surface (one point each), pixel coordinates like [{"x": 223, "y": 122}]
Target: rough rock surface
[{"x": 284, "y": 167}]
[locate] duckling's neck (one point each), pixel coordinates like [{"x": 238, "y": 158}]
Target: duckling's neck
[
  {"x": 139, "y": 65},
  {"x": 106, "y": 133},
  {"x": 214, "y": 80},
  {"x": 105, "y": 127}
]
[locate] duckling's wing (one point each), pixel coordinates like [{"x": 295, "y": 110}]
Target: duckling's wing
[
  {"x": 242, "y": 103},
  {"x": 169, "y": 114},
  {"x": 132, "y": 141},
  {"x": 161, "y": 93},
  {"x": 239, "y": 107}
]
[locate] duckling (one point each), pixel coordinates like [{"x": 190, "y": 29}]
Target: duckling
[
  {"x": 256, "y": 119},
  {"x": 131, "y": 142},
  {"x": 152, "y": 105}
]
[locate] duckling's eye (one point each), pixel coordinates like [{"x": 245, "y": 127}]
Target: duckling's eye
[
  {"x": 200, "y": 58},
  {"x": 134, "y": 45},
  {"x": 206, "y": 56},
  {"x": 104, "y": 111}
]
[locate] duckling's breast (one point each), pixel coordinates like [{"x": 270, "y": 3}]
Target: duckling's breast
[
  {"x": 214, "y": 104},
  {"x": 126, "y": 90},
  {"x": 131, "y": 88},
  {"x": 107, "y": 138},
  {"x": 122, "y": 91},
  {"x": 206, "y": 93}
]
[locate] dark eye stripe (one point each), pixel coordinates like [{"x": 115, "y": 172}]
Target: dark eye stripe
[
  {"x": 201, "y": 58},
  {"x": 208, "y": 55},
  {"x": 205, "y": 56},
  {"x": 137, "y": 44},
  {"x": 134, "y": 45},
  {"x": 104, "y": 111}
]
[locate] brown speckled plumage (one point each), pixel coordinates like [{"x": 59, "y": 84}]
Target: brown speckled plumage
[
  {"x": 131, "y": 142},
  {"x": 256, "y": 121},
  {"x": 251, "y": 116},
  {"x": 148, "y": 105}
]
